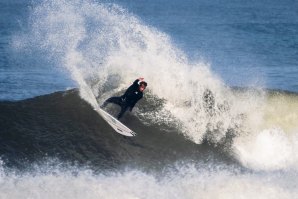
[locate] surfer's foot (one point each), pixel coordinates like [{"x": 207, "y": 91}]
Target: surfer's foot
[{"x": 103, "y": 105}]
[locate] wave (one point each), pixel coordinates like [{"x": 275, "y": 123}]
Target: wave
[
  {"x": 104, "y": 48},
  {"x": 62, "y": 125},
  {"x": 57, "y": 146},
  {"x": 269, "y": 140}
]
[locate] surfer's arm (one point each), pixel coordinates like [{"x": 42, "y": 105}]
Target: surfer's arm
[
  {"x": 134, "y": 103},
  {"x": 131, "y": 106},
  {"x": 141, "y": 79},
  {"x": 138, "y": 81}
]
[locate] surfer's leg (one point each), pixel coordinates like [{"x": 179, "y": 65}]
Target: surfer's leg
[
  {"x": 115, "y": 100},
  {"x": 123, "y": 109}
]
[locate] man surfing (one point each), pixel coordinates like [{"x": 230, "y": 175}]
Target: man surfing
[{"x": 131, "y": 96}]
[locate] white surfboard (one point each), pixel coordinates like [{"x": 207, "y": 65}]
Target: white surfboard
[{"x": 115, "y": 124}]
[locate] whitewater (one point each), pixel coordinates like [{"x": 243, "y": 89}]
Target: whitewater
[{"x": 197, "y": 136}]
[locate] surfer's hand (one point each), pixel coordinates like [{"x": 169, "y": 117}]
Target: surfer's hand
[{"x": 141, "y": 78}]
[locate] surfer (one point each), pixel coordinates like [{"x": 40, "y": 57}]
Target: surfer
[{"x": 131, "y": 96}]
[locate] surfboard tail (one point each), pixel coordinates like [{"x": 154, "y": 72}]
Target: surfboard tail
[{"x": 115, "y": 124}]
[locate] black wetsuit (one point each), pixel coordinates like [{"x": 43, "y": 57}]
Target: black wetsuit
[{"x": 127, "y": 101}]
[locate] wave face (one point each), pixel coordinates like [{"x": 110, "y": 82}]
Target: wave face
[{"x": 64, "y": 126}]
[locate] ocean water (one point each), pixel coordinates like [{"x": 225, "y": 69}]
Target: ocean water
[{"x": 218, "y": 120}]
